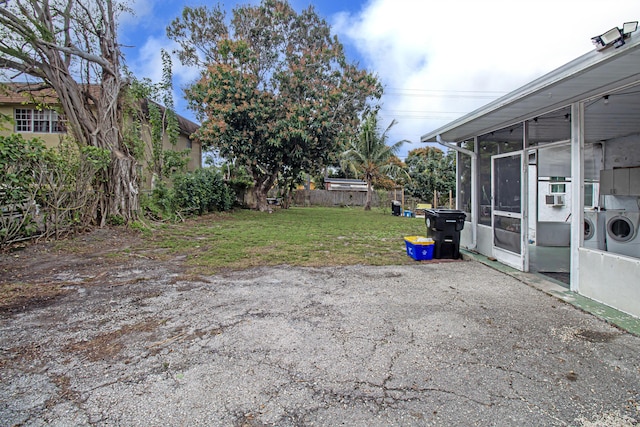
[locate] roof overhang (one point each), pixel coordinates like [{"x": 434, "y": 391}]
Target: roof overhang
[{"x": 592, "y": 75}]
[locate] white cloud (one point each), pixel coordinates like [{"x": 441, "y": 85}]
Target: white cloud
[
  {"x": 143, "y": 36},
  {"x": 444, "y": 55},
  {"x": 138, "y": 11},
  {"x": 148, "y": 64}
]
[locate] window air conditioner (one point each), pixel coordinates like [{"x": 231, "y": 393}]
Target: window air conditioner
[{"x": 554, "y": 200}]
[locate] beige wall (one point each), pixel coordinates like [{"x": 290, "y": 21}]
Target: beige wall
[
  {"x": 53, "y": 139},
  {"x": 195, "y": 158},
  {"x": 7, "y": 128}
]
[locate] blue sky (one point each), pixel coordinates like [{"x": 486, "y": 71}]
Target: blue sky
[{"x": 438, "y": 60}]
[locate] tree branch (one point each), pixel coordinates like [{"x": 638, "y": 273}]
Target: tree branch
[{"x": 73, "y": 50}]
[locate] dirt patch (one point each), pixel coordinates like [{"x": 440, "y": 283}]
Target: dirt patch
[
  {"x": 35, "y": 274},
  {"x": 108, "y": 345},
  {"x": 15, "y": 297},
  {"x": 23, "y": 355}
]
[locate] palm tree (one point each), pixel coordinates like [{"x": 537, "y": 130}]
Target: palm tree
[{"x": 369, "y": 155}]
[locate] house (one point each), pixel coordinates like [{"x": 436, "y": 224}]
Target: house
[
  {"x": 31, "y": 120},
  {"x": 549, "y": 174}
]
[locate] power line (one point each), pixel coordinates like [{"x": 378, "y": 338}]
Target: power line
[
  {"x": 433, "y": 93},
  {"x": 419, "y": 95},
  {"x": 383, "y": 110}
]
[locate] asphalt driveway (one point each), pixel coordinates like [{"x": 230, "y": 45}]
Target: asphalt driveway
[{"x": 453, "y": 343}]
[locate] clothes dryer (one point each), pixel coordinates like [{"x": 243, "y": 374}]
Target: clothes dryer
[
  {"x": 623, "y": 236},
  {"x": 594, "y": 229}
]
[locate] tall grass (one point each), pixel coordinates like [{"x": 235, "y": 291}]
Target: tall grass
[{"x": 297, "y": 236}]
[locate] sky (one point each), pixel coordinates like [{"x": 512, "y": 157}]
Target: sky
[{"x": 437, "y": 60}]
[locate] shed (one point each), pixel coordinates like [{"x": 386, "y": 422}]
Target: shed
[{"x": 343, "y": 184}]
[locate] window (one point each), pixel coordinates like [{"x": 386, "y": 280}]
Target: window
[
  {"x": 557, "y": 188},
  {"x": 58, "y": 123},
  {"x": 23, "y": 120},
  {"x": 39, "y": 121},
  {"x": 464, "y": 182}
]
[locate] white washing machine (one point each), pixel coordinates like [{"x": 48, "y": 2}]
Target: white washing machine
[
  {"x": 623, "y": 236},
  {"x": 594, "y": 229}
]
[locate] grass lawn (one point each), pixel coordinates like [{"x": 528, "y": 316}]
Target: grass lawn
[{"x": 296, "y": 236}]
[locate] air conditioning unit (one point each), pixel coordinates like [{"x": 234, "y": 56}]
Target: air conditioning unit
[{"x": 554, "y": 200}]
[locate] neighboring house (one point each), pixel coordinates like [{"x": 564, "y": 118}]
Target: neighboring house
[
  {"x": 342, "y": 184},
  {"x": 31, "y": 121},
  {"x": 549, "y": 174}
]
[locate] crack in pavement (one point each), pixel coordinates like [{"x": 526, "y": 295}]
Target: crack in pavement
[{"x": 357, "y": 345}]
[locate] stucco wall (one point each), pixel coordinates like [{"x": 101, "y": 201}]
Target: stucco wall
[
  {"x": 53, "y": 139},
  {"x": 7, "y": 128},
  {"x": 610, "y": 279}
]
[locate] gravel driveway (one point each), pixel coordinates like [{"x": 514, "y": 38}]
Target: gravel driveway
[{"x": 453, "y": 343}]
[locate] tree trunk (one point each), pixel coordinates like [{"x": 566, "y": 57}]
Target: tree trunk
[
  {"x": 122, "y": 190},
  {"x": 367, "y": 205},
  {"x": 121, "y": 198},
  {"x": 262, "y": 185},
  {"x": 260, "y": 198}
]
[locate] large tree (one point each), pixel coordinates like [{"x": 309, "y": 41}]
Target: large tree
[
  {"x": 370, "y": 157},
  {"x": 71, "y": 47},
  {"x": 277, "y": 94}
]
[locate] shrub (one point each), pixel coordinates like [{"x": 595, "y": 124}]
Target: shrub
[
  {"x": 194, "y": 193},
  {"x": 202, "y": 191},
  {"x": 67, "y": 194},
  {"x": 19, "y": 183},
  {"x": 159, "y": 204},
  {"x": 46, "y": 191}
]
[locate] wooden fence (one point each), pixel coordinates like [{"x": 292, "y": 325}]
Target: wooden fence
[
  {"x": 332, "y": 198},
  {"x": 381, "y": 199}
]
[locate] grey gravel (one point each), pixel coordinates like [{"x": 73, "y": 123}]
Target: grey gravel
[{"x": 454, "y": 343}]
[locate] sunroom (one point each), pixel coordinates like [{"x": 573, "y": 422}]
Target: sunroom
[{"x": 549, "y": 175}]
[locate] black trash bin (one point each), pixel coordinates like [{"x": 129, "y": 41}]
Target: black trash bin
[
  {"x": 444, "y": 226},
  {"x": 396, "y": 208}
]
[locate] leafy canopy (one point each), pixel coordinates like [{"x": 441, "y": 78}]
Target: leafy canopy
[
  {"x": 277, "y": 94},
  {"x": 430, "y": 170}
]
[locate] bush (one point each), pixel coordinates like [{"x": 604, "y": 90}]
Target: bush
[
  {"x": 193, "y": 193},
  {"x": 19, "y": 184},
  {"x": 158, "y": 205},
  {"x": 202, "y": 191},
  {"x": 68, "y": 193},
  {"x": 46, "y": 191}
]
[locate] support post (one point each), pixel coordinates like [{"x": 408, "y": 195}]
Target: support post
[{"x": 577, "y": 191}]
